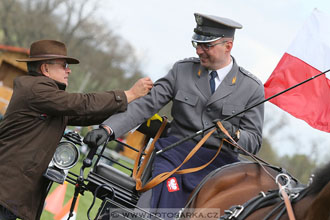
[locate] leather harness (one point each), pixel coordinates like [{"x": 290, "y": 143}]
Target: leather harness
[{"x": 272, "y": 197}]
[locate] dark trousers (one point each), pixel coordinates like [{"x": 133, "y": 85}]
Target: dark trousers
[{"x": 173, "y": 193}]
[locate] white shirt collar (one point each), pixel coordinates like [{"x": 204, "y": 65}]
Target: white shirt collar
[{"x": 222, "y": 73}]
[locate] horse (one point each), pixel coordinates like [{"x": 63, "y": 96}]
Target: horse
[{"x": 246, "y": 190}]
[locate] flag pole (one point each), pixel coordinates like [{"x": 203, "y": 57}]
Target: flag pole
[{"x": 241, "y": 112}]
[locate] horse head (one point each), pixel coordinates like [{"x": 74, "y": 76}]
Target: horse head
[{"x": 320, "y": 191}]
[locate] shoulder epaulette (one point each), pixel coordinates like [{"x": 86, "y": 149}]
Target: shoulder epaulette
[
  {"x": 190, "y": 59},
  {"x": 247, "y": 73}
]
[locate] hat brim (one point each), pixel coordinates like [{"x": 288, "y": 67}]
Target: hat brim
[
  {"x": 204, "y": 39},
  {"x": 69, "y": 60}
]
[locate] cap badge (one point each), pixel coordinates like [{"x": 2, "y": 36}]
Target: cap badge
[{"x": 199, "y": 20}]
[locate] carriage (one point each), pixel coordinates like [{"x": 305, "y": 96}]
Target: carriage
[{"x": 243, "y": 190}]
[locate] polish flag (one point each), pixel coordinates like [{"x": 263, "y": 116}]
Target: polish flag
[{"x": 307, "y": 56}]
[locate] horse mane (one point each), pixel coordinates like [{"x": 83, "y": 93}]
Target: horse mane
[{"x": 320, "y": 179}]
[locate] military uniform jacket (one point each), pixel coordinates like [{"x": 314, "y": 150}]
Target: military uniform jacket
[
  {"x": 33, "y": 125},
  {"x": 194, "y": 107}
]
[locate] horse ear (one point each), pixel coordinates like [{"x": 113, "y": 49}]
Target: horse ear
[{"x": 319, "y": 209}]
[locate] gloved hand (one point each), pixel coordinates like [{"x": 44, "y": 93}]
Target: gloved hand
[
  {"x": 96, "y": 137},
  {"x": 152, "y": 125},
  {"x": 232, "y": 130}
]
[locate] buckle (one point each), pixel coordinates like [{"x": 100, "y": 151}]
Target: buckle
[{"x": 235, "y": 211}]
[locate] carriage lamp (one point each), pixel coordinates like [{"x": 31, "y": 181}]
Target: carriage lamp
[
  {"x": 64, "y": 158},
  {"x": 66, "y": 155}
]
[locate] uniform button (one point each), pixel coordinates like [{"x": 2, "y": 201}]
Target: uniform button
[
  {"x": 186, "y": 98},
  {"x": 233, "y": 111},
  {"x": 118, "y": 97},
  {"x": 208, "y": 109},
  {"x": 206, "y": 123}
]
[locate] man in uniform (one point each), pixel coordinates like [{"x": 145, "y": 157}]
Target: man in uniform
[
  {"x": 35, "y": 120},
  {"x": 202, "y": 90}
]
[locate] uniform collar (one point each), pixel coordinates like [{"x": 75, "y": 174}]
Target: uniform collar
[
  {"x": 222, "y": 73},
  {"x": 60, "y": 85}
]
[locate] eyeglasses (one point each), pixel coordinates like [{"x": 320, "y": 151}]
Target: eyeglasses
[
  {"x": 64, "y": 65},
  {"x": 205, "y": 46}
]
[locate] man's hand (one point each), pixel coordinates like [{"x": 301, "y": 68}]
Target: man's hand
[
  {"x": 96, "y": 137},
  {"x": 232, "y": 130},
  {"x": 140, "y": 88}
]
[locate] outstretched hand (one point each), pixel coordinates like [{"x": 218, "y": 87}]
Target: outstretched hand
[
  {"x": 96, "y": 137},
  {"x": 139, "y": 89}
]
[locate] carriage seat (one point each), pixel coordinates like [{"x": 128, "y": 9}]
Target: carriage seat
[{"x": 116, "y": 176}]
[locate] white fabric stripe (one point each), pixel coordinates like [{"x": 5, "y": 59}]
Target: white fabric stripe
[
  {"x": 312, "y": 44},
  {"x": 4, "y": 100}
]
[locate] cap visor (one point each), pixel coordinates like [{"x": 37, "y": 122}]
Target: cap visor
[{"x": 204, "y": 39}]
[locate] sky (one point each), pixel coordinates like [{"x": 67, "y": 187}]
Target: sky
[{"x": 161, "y": 31}]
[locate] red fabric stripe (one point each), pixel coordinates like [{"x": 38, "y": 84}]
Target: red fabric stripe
[{"x": 310, "y": 101}]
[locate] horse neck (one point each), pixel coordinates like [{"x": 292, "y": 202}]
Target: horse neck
[{"x": 319, "y": 207}]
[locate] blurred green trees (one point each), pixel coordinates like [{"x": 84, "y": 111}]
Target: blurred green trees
[{"x": 107, "y": 61}]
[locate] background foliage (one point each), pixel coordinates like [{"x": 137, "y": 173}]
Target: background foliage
[
  {"x": 107, "y": 61},
  {"x": 104, "y": 56}
]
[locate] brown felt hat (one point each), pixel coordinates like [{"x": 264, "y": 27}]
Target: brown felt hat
[{"x": 48, "y": 50}]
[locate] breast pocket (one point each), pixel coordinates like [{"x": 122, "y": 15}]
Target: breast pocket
[
  {"x": 186, "y": 98},
  {"x": 229, "y": 110}
]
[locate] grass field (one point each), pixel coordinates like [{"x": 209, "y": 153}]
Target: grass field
[{"x": 85, "y": 201}]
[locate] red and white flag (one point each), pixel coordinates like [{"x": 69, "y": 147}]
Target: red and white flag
[{"x": 307, "y": 56}]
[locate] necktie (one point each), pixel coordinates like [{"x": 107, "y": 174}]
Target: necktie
[{"x": 212, "y": 81}]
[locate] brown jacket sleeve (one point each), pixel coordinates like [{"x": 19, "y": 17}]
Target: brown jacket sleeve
[
  {"x": 81, "y": 108},
  {"x": 94, "y": 119}
]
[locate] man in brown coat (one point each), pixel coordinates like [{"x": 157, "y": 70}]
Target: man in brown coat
[{"x": 36, "y": 118}]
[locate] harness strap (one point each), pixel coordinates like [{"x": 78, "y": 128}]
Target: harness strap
[
  {"x": 280, "y": 213},
  {"x": 263, "y": 200},
  {"x": 287, "y": 202},
  {"x": 138, "y": 171},
  {"x": 272, "y": 212},
  {"x": 240, "y": 212},
  {"x": 234, "y": 143},
  {"x": 163, "y": 176}
]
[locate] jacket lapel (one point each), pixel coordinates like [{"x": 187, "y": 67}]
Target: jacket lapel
[{"x": 202, "y": 82}]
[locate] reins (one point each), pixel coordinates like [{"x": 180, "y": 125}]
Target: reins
[
  {"x": 254, "y": 157},
  {"x": 138, "y": 171},
  {"x": 165, "y": 175},
  {"x": 259, "y": 160}
]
